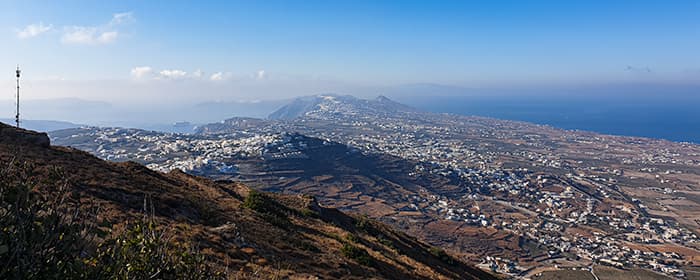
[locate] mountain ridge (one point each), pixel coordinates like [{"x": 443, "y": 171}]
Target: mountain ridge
[{"x": 333, "y": 103}]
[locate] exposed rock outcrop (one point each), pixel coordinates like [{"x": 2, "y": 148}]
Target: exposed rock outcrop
[{"x": 18, "y": 136}]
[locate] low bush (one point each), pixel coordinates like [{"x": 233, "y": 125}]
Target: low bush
[
  {"x": 440, "y": 254},
  {"x": 144, "y": 252},
  {"x": 44, "y": 234},
  {"x": 363, "y": 224},
  {"x": 386, "y": 242},
  {"x": 39, "y": 239},
  {"x": 306, "y": 212},
  {"x": 352, "y": 238},
  {"x": 269, "y": 209},
  {"x": 356, "y": 253},
  {"x": 257, "y": 201}
]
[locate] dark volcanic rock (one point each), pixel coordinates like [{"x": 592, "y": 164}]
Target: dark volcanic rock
[{"x": 13, "y": 135}]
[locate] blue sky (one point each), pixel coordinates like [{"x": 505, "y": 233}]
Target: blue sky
[{"x": 319, "y": 45}]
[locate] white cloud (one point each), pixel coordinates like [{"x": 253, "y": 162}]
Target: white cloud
[
  {"x": 260, "y": 74},
  {"x": 220, "y": 76},
  {"x": 33, "y": 30},
  {"x": 141, "y": 72},
  {"x": 148, "y": 73},
  {"x": 96, "y": 35},
  {"x": 82, "y": 35},
  {"x": 79, "y": 35},
  {"x": 108, "y": 37},
  {"x": 172, "y": 74},
  {"x": 120, "y": 18}
]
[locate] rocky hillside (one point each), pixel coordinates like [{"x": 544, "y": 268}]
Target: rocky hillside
[{"x": 238, "y": 230}]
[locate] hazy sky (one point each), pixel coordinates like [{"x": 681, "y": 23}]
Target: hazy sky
[{"x": 177, "y": 50}]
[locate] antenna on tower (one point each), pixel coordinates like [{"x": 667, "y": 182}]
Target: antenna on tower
[{"x": 17, "y": 116}]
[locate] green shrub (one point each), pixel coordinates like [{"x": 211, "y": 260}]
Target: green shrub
[
  {"x": 269, "y": 209},
  {"x": 257, "y": 201},
  {"x": 363, "y": 223},
  {"x": 352, "y": 238},
  {"x": 37, "y": 239},
  {"x": 386, "y": 242},
  {"x": 306, "y": 212},
  {"x": 144, "y": 252},
  {"x": 440, "y": 254},
  {"x": 45, "y": 235},
  {"x": 356, "y": 253},
  {"x": 208, "y": 213}
]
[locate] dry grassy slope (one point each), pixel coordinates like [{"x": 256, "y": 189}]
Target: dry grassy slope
[{"x": 300, "y": 241}]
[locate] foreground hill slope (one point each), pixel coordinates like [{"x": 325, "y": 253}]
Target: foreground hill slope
[{"x": 238, "y": 229}]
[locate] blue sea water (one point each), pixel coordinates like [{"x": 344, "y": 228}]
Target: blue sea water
[{"x": 671, "y": 117}]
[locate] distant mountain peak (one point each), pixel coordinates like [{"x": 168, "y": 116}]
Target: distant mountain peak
[
  {"x": 383, "y": 98},
  {"x": 338, "y": 104}
]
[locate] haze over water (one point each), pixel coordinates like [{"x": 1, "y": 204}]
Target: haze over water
[{"x": 671, "y": 115}]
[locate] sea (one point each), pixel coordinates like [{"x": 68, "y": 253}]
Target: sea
[{"x": 674, "y": 117}]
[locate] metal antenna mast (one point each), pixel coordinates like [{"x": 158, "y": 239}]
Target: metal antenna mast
[{"x": 17, "y": 116}]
